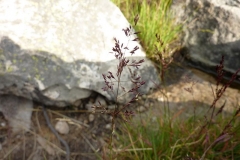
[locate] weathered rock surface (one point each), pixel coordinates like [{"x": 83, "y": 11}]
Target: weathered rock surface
[
  {"x": 210, "y": 31},
  {"x": 17, "y": 111},
  {"x": 55, "y": 52}
]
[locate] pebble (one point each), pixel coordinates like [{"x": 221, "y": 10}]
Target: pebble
[
  {"x": 62, "y": 127},
  {"x": 3, "y": 124},
  {"x": 91, "y": 117},
  {"x": 108, "y": 126},
  {"x": 53, "y": 94},
  {"x": 160, "y": 99}
]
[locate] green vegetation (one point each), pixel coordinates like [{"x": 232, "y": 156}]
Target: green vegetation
[
  {"x": 154, "y": 18},
  {"x": 170, "y": 140}
]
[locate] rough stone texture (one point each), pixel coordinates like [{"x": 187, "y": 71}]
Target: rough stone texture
[
  {"x": 55, "y": 52},
  {"x": 17, "y": 111},
  {"x": 212, "y": 29}
]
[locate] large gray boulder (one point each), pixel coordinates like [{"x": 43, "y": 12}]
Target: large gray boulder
[
  {"x": 56, "y": 51},
  {"x": 211, "y": 29}
]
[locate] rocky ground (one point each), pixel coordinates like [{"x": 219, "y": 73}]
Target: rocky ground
[{"x": 184, "y": 91}]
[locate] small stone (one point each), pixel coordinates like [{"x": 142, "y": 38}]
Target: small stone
[
  {"x": 108, "y": 126},
  {"x": 141, "y": 109},
  {"x": 62, "y": 127},
  {"x": 52, "y": 94},
  {"x": 3, "y": 124},
  {"x": 160, "y": 99},
  {"x": 91, "y": 117}
]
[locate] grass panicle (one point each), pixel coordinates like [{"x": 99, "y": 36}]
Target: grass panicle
[{"x": 166, "y": 137}]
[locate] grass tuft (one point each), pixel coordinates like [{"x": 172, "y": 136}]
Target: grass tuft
[{"x": 155, "y": 21}]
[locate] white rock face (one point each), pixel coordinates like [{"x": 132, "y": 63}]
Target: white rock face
[
  {"x": 56, "y": 51},
  {"x": 70, "y": 29}
]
